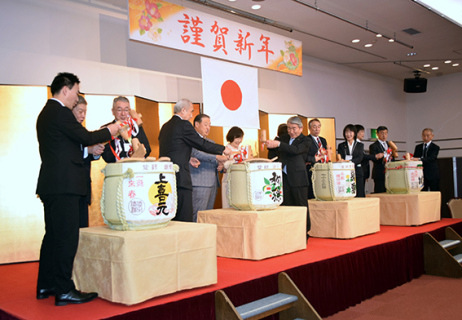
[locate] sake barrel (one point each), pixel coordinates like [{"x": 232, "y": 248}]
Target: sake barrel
[
  {"x": 138, "y": 195},
  {"x": 255, "y": 185},
  {"x": 404, "y": 176},
  {"x": 334, "y": 181}
]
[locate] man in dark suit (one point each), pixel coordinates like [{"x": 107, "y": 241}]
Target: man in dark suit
[
  {"x": 120, "y": 148},
  {"x": 204, "y": 170},
  {"x": 316, "y": 152},
  {"x": 380, "y": 149},
  {"x": 177, "y": 137},
  {"x": 427, "y": 152},
  {"x": 61, "y": 184},
  {"x": 366, "y": 157},
  {"x": 291, "y": 150},
  {"x": 90, "y": 154}
]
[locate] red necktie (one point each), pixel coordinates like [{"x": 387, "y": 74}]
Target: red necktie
[{"x": 319, "y": 143}]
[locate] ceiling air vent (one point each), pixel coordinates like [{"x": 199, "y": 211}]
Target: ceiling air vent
[{"x": 411, "y": 31}]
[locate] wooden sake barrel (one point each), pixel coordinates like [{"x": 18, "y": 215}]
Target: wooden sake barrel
[
  {"x": 404, "y": 177},
  {"x": 255, "y": 185},
  {"x": 138, "y": 195},
  {"x": 334, "y": 181}
]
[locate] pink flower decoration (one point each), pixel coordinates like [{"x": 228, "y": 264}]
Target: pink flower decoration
[
  {"x": 152, "y": 9},
  {"x": 145, "y": 23}
]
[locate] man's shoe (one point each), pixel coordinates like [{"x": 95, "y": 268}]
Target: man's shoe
[
  {"x": 45, "y": 293},
  {"x": 74, "y": 296}
]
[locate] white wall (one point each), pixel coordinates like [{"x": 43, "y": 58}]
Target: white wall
[{"x": 46, "y": 37}]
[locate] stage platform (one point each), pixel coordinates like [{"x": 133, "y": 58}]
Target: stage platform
[{"x": 333, "y": 274}]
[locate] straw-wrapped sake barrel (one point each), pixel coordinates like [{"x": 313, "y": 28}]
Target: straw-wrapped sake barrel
[
  {"x": 138, "y": 195},
  {"x": 404, "y": 177},
  {"x": 334, "y": 181},
  {"x": 255, "y": 185}
]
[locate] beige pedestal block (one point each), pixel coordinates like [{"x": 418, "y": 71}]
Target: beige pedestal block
[
  {"x": 344, "y": 219},
  {"x": 409, "y": 209},
  {"x": 132, "y": 266},
  {"x": 257, "y": 235}
]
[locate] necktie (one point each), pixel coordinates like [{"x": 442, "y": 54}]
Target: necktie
[
  {"x": 424, "y": 150},
  {"x": 323, "y": 160}
]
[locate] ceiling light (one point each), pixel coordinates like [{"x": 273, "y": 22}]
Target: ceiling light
[
  {"x": 447, "y": 61},
  {"x": 391, "y": 40},
  {"x": 455, "y": 65},
  {"x": 232, "y": 0},
  {"x": 411, "y": 54},
  {"x": 435, "y": 68},
  {"x": 355, "y": 40},
  {"x": 427, "y": 65},
  {"x": 378, "y": 35},
  {"x": 368, "y": 45},
  {"x": 256, "y": 6}
]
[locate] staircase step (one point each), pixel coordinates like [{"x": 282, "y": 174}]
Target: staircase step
[
  {"x": 264, "y": 305},
  {"x": 447, "y": 244},
  {"x": 458, "y": 257}
]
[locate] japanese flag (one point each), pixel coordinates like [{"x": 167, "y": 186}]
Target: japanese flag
[{"x": 230, "y": 93}]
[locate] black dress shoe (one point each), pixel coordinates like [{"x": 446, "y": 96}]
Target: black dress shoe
[
  {"x": 74, "y": 296},
  {"x": 45, "y": 293}
]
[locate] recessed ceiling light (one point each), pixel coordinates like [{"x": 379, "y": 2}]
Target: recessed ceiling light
[
  {"x": 378, "y": 35},
  {"x": 355, "y": 40},
  {"x": 447, "y": 61},
  {"x": 411, "y": 54},
  {"x": 368, "y": 45},
  {"x": 455, "y": 65},
  {"x": 435, "y": 68},
  {"x": 232, "y": 0},
  {"x": 391, "y": 40},
  {"x": 256, "y": 6},
  {"x": 427, "y": 65}
]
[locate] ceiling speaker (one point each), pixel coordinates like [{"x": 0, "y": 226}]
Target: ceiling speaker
[{"x": 415, "y": 85}]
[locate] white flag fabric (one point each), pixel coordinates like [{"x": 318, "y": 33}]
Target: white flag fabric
[{"x": 230, "y": 94}]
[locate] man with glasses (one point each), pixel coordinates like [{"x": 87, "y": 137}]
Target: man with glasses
[
  {"x": 292, "y": 149},
  {"x": 122, "y": 147}
]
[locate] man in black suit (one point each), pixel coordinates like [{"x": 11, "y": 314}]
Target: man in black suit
[
  {"x": 380, "y": 149},
  {"x": 291, "y": 150},
  {"x": 366, "y": 157},
  {"x": 316, "y": 152},
  {"x": 61, "y": 184},
  {"x": 120, "y": 148},
  {"x": 90, "y": 154},
  {"x": 427, "y": 152},
  {"x": 177, "y": 137}
]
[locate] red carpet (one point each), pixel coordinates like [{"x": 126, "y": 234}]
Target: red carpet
[{"x": 333, "y": 274}]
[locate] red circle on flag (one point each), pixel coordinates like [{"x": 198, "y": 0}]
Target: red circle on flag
[{"x": 231, "y": 95}]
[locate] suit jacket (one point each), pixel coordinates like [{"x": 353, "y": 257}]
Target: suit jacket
[
  {"x": 313, "y": 150},
  {"x": 292, "y": 156},
  {"x": 109, "y": 156},
  {"x": 365, "y": 164},
  {"x": 177, "y": 137},
  {"x": 358, "y": 153},
  {"x": 61, "y": 140},
  {"x": 378, "y": 170},
  {"x": 430, "y": 166},
  {"x": 206, "y": 174}
]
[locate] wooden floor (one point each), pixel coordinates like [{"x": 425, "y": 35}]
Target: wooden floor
[{"x": 427, "y": 297}]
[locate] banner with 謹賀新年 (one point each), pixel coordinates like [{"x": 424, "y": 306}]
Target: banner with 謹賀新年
[{"x": 173, "y": 26}]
